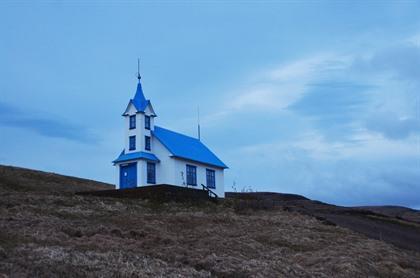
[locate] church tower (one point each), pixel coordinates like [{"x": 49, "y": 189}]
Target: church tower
[
  {"x": 136, "y": 165},
  {"x": 139, "y": 122}
]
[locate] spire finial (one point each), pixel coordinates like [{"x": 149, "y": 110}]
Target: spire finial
[{"x": 138, "y": 69}]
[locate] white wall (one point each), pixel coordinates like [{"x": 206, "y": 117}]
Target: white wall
[
  {"x": 164, "y": 169},
  {"x": 131, "y": 110},
  {"x": 181, "y": 165},
  {"x": 139, "y": 131},
  {"x": 117, "y": 181}
]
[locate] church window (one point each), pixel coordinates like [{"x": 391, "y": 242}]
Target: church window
[
  {"x": 147, "y": 145},
  {"x": 210, "y": 178},
  {"x": 133, "y": 122},
  {"x": 151, "y": 172},
  {"x": 191, "y": 175},
  {"x": 132, "y": 143},
  {"x": 147, "y": 122}
]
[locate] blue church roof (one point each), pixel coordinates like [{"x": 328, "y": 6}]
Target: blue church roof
[
  {"x": 186, "y": 147},
  {"x": 134, "y": 156},
  {"x": 139, "y": 101}
]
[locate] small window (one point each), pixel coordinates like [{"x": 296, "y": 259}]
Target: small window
[
  {"x": 151, "y": 172},
  {"x": 132, "y": 143},
  {"x": 210, "y": 178},
  {"x": 191, "y": 175},
  {"x": 133, "y": 122},
  {"x": 147, "y": 145},
  {"x": 147, "y": 122}
]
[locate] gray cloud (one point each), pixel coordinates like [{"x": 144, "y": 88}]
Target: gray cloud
[
  {"x": 396, "y": 111},
  {"x": 392, "y": 127},
  {"x": 335, "y": 102},
  {"x": 402, "y": 60},
  {"x": 333, "y": 106},
  {"x": 376, "y": 182},
  {"x": 363, "y": 180},
  {"x": 43, "y": 124}
]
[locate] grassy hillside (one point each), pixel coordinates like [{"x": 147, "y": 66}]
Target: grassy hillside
[
  {"x": 45, "y": 231},
  {"x": 21, "y": 179}
]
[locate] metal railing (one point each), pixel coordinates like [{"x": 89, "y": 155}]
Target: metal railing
[{"x": 211, "y": 193}]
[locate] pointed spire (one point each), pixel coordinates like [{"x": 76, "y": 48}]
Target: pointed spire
[
  {"x": 139, "y": 96},
  {"x": 139, "y": 99}
]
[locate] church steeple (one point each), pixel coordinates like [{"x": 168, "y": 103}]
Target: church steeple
[
  {"x": 139, "y": 101},
  {"x": 139, "y": 98}
]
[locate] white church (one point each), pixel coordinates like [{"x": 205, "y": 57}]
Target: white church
[{"x": 155, "y": 155}]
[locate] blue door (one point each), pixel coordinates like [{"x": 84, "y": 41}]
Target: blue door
[{"x": 128, "y": 175}]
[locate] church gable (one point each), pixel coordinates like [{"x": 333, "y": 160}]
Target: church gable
[
  {"x": 149, "y": 110},
  {"x": 130, "y": 110},
  {"x": 139, "y": 103}
]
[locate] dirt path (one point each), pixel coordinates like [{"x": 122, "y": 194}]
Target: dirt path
[
  {"x": 403, "y": 235},
  {"x": 389, "y": 224}
]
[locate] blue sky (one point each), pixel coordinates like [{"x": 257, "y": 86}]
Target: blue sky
[{"x": 315, "y": 98}]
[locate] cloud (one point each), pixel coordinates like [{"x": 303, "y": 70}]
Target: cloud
[
  {"x": 262, "y": 97},
  {"x": 393, "y": 127},
  {"x": 333, "y": 102},
  {"x": 43, "y": 124},
  {"x": 359, "y": 182},
  {"x": 394, "y": 108},
  {"x": 367, "y": 170},
  {"x": 277, "y": 88},
  {"x": 379, "y": 91},
  {"x": 403, "y": 61},
  {"x": 414, "y": 40}
]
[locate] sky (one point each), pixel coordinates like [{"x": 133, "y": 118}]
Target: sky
[{"x": 319, "y": 98}]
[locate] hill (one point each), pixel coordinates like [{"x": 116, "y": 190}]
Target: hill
[
  {"x": 46, "y": 230},
  {"x": 27, "y": 180},
  {"x": 397, "y": 225}
]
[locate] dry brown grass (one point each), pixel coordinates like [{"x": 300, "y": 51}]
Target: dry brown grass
[{"x": 53, "y": 235}]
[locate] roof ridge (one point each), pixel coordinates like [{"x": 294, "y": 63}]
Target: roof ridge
[
  {"x": 187, "y": 147},
  {"x": 178, "y": 133}
]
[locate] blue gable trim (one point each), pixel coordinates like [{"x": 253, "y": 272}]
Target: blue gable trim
[
  {"x": 139, "y": 101},
  {"x": 187, "y": 147},
  {"x": 123, "y": 157}
]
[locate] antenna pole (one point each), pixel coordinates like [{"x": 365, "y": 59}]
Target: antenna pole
[
  {"x": 198, "y": 122},
  {"x": 138, "y": 69}
]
